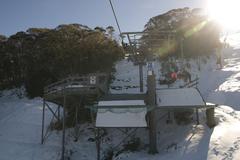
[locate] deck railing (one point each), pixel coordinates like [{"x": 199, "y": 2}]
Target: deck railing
[{"x": 93, "y": 80}]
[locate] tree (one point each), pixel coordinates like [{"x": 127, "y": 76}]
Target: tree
[
  {"x": 2, "y": 38},
  {"x": 198, "y": 34},
  {"x": 41, "y": 56},
  {"x": 100, "y": 29},
  {"x": 110, "y": 31}
]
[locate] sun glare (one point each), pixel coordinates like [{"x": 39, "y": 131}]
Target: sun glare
[{"x": 225, "y": 12}]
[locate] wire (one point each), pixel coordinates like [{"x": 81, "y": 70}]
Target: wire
[{"x": 115, "y": 17}]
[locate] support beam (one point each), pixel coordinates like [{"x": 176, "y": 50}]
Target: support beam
[
  {"x": 76, "y": 128},
  {"x": 141, "y": 76},
  {"x": 54, "y": 114},
  {"x": 98, "y": 140},
  {"x": 169, "y": 117},
  {"x": 58, "y": 112},
  {"x": 131, "y": 45},
  {"x": 173, "y": 32},
  {"x": 210, "y": 117},
  {"x": 63, "y": 125},
  {"x": 43, "y": 119},
  {"x": 197, "y": 114},
  {"x": 151, "y": 95}
]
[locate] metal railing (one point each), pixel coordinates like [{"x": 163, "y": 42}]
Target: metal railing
[
  {"x": 190, "y": 84},
  {"x": 75, "y": 82}
]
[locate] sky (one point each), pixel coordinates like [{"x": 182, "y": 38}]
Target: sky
[{"x": 19, "y": 15}]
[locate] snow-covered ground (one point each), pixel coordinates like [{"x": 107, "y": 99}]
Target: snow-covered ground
[
  {"x": 20, "y": 129},
  {"x": 20, "y": 122}
]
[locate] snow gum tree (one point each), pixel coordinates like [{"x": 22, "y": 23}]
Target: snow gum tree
[
  {"x": 41, "y": 56},
  {"x": 193, "y": 30}
]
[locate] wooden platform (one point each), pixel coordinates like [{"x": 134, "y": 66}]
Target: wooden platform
[{"x": 75, "y": 87}]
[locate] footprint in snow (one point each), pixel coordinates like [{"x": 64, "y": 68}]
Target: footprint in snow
[
  {"x": 229, "y": 154},
  {"x": 215, "y": 151}
]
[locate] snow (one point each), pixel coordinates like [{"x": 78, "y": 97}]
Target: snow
[
  {"x": 20, "y": 130},
  {"x": 75, "y": 86},
  {"x": 233, "y": 39},
  {"x": 122, "y": 103},
  {"x": 20, "y": 121},
  {"x": 182, "y": 97},
  {"x": 121, "y": 117},
  {"x": 198, "y": 142}
]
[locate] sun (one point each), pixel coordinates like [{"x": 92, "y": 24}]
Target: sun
[{"x": 225, "y": 12}]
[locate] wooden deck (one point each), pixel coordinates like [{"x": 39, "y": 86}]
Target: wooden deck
[{"x": 76, "y": 87}]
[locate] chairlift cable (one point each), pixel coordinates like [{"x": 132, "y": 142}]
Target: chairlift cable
[{"x": 115, "y": 17}]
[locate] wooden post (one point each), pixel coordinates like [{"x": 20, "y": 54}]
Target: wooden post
[
  {"x": 43, "y": 118},
  {"x": 58, "y": 112},
  {"x": 197, "y": 114},
  {"x": 98, "y": 140},
  {"x": 76, "y": 129},
  {"x": 210, "y": 117},
  {"x": 151, "y": 100},
  {"x": 141, "y": 75},
  {"x": 169, "y": 118}
]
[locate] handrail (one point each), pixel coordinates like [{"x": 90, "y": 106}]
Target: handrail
[
  {"x": 77, "y": 81},
  {"x": 191, "y": 83}
]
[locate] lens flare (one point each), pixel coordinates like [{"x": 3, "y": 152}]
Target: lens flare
[{"x": 225, "y": 12}]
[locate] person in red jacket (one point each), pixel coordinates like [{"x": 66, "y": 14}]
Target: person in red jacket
[{"x": 174, "y": 76}]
